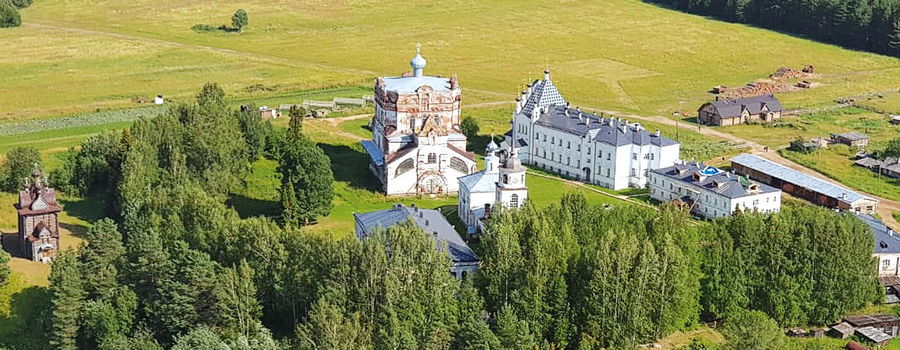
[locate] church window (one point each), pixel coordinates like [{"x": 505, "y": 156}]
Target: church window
[
  {"x": 405, "y": 166},
  {"x": 579, "y": 149},
  {"x": 633, "y": 172},
  {"x": 588, "y": 150},
  {"x": 651, "y": 156},
  {"x": 458, "y": 165},
  {"x": 432, "y": 158},
  {"x": 560, "y": 142},
  {"x": 552, "y": 139},
  {"x": 514, "y": 201},
  {"x": 634, "y": 156},
  {"x": 545, "y": 137},
  {"x": 505, "y": 179},
  {"x": 569, "y": 145},
  {"x": 412, "y": 123},
  {"x": 568, "y": 160},
  {"x": 607, "y": 172}
]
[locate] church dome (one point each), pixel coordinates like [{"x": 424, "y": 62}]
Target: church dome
[
  {"x": 492, "y": 146},
  {"x": 417, "y": 62}
]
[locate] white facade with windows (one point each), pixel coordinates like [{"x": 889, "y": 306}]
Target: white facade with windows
[
  {"x": 597, "y": 149},
  {"x": 502, "y": 182},
  {"x": 417, "y": 146},
  {"x": 711, "y": 193}
]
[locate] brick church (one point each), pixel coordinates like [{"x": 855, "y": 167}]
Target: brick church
[{"x": 38, "y": 213}]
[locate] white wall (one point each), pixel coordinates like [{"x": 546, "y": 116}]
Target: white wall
[{"x": 888, "y": 264}]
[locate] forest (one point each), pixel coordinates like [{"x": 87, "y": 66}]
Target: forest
[
  {"x": 175, "y": 267},
  {"x": 871, "y": 25}
]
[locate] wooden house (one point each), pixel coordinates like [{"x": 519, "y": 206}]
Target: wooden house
[{"x": 765, "y": 108}]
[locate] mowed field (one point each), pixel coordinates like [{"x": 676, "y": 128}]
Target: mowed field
[{"x": 76, "y": 55}]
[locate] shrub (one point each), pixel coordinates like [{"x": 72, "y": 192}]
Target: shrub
[
  {"x": 9, "y": 15},
  {"x": 21, "y": 3},
  {"x": 204, "y": 28}
]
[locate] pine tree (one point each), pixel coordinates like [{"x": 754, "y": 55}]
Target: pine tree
[
  {"x": 67, "y": 295},
  {"x": 101, "y": 256}
]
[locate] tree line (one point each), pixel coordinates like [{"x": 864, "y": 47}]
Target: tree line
[
  {"x": 177, "y": 268},
  {"x": 871, "y": 25}
]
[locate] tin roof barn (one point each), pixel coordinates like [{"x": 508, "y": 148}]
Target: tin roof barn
[{"x": 801, "y": 185}]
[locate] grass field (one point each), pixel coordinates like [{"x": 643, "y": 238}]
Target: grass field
[
  {"x": 357, "y": 191},
  {"x": 836, "y": 162},
  {"x": 818, "y": 124},
  {"x": 73, "y": 56}
]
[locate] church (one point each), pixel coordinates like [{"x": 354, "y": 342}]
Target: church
[
  {"x": 502, "y": 182},
  {"x": 596, "y": 149},
  {"x": 417, "y": 146},
  {"x": 38, "y": 214}
]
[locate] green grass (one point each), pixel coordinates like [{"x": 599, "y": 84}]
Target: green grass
[
  {"x": 818, "y": 124},
  {"x": 73, "y": 56},
  {"x": 886, "y": 102},
  {"x": 836, "y": 162},
  {"x": 356, "y": 190}
]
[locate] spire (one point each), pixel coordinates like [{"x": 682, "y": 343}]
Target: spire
[
  {"x": 547, "y": 71},
  {"x": 418, "y": 62}
]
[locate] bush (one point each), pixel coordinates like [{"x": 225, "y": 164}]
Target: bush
[
  {"x": 204, "y": 28},
  {"x": 752, "y": 330},
  {"x": 9, "y": 15},
  {"x": 21, "y": 3}
]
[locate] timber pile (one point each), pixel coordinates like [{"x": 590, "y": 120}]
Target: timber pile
[{"x": 783, "y": 80}]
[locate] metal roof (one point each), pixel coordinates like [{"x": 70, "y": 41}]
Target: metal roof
[
  {"x": 543, "y": 93},
  {"x": 886, "y": 239},
  {"x": 733, "y": 108},
  {"x": 374, "y": 153},
  {"x": 852, "y": 136},
  {"x": 431, "y": 221},
  {"x": 797, "y": 178},
  {"x": 480, "y": 182},
  {"x": 606, "y": 130},
  {"x": 405, "y": 85},
  {"x": 729, "y": 185}
]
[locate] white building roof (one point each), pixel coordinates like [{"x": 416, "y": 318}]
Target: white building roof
[
  {"x": 405, "y": 85},
  {"x": 480, "y": 182}
]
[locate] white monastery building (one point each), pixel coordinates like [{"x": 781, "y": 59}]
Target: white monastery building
[
  {"x": 710, "y": 192},
  {"x": 417, "y": 146},
  {"x": 500, "y": 183},
  {"x": 596, "y": 149}
]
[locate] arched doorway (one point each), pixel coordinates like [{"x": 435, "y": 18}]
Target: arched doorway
[
  {"x": 432, "y": 183},
  {"x": 587, "y": 174}
]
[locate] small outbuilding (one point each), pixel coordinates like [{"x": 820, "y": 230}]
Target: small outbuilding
[
  {"x": 852, "y": 139},
  {"x": 885, "y": 323},
  {"x": 267, "y": 113},
  {"x": 873, "y": 335},
  {"x": 841, "y": 330}
]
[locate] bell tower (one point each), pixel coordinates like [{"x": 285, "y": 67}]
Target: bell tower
[
  {"x": 511, "y": 191},
  {"x": 38, "y": 214}
]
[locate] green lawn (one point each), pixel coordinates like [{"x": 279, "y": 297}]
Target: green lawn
[
  {"x": 357, "y": 191},
  {"x": 836, "y": 162},
  {"x": 886, "y": 102},
  {"x": 74, "y": 56}
]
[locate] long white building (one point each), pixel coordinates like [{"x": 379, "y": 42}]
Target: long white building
[
  {"x": 417, "y": 146},
  {"x": 596, "y": 149},
  {"x": 500, "y": 183},
  {"x": 710, "y": 192}
]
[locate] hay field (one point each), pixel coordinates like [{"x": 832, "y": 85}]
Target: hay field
[{"x": 74, "y": 55}]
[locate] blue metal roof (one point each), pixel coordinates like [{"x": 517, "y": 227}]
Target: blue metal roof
[
  {"x": 373, "y": 151},
  {"x": 799, "y": 179},
  {"x": 431, "y": 221},
  {"x": 886, "y": 240}
]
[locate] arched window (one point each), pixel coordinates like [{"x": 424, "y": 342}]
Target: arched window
[
  {"x": 432, "y": 158},
  {"x": 405, "y": 166},
  {"x": 514, "y": 201},
  {"x": 459, "y": 165}
]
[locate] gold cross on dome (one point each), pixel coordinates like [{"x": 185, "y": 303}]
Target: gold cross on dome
[{"x": 418, "y": 47}]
